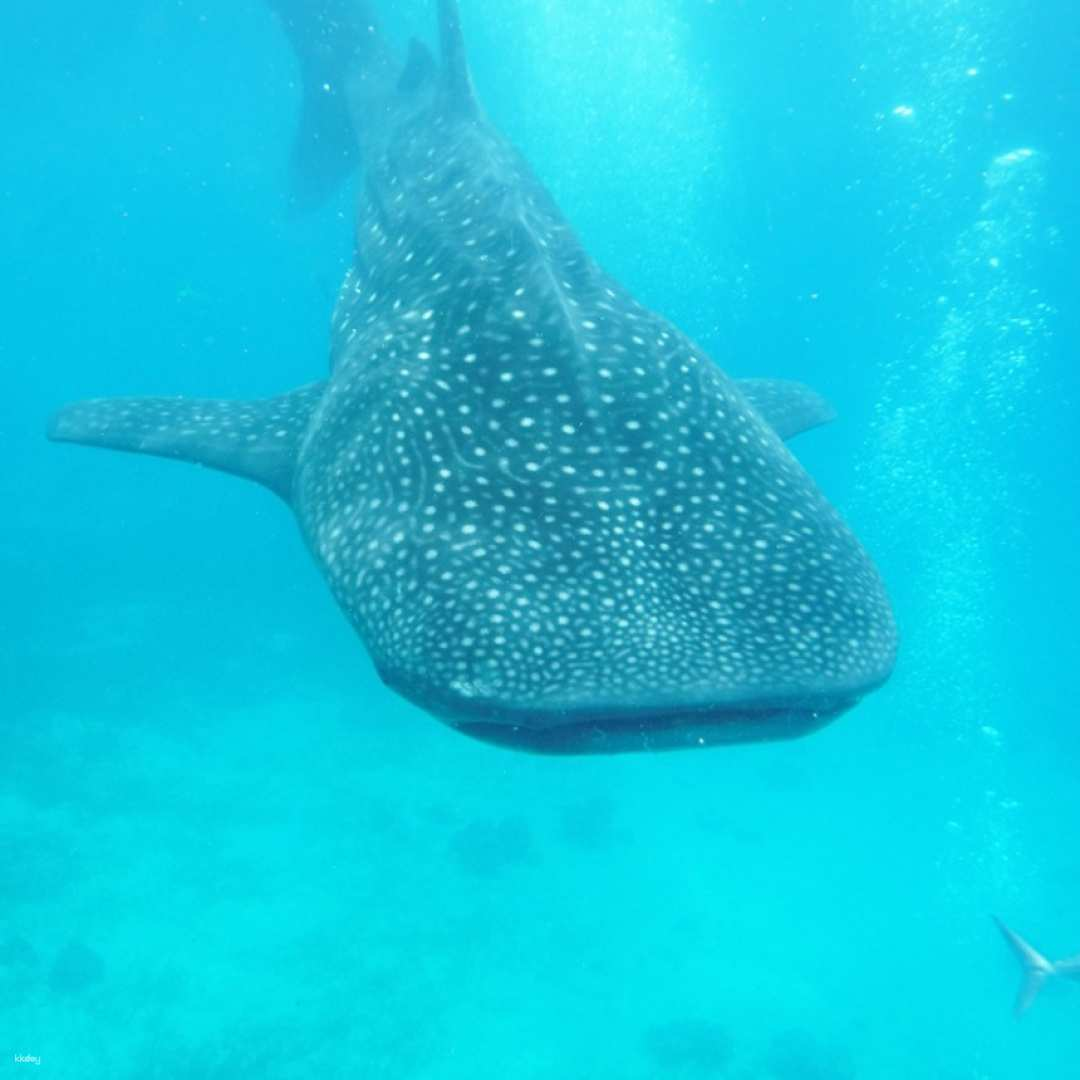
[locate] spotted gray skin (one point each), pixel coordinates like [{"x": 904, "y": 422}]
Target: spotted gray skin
[{"x": 554, "y": 521}]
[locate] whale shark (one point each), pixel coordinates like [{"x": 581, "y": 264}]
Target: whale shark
[
  {"x": 1037, "y": 969},
  {"x": 555, "y": 523}
]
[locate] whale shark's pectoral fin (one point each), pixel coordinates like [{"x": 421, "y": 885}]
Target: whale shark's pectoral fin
[
  {"x": 259, "y": 440},
  {"x": 790, "y": 408}
]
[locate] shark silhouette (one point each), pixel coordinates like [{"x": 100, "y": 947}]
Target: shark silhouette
[
  {"x": 554, "y": 522},
  {"x": 1036, "y": 968}
]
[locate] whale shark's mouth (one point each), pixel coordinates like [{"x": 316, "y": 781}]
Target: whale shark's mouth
[
  {"x": 634, "y": 730},
  {"x": 610, "y": 729}
]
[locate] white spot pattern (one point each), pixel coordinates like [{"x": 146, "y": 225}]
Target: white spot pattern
[{"x": 612, "y": 527}]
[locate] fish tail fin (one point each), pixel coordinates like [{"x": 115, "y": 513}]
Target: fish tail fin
[
  {"x": 258, "y": 440},
  {"x": 347, "y": 68},
  {"x": 1036, "y": 968},
  {"x": 458, "y": 90},
  {"x": 354, "y": 85}
]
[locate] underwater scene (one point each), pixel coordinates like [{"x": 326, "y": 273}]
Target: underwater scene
[{"x": 611, "y": 608}]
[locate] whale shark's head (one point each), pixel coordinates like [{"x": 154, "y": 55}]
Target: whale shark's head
[
  {"x": 677, "y": 600},
  {"x": 560, "y": 527}
]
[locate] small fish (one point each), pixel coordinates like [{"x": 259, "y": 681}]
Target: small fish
[{"x": 1036, "y": 968}]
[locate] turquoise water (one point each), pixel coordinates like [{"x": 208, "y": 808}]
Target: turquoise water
[{"x": 228, "y": 851}]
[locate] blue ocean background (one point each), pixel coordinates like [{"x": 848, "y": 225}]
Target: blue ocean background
[{"x": 226, "y": 850}]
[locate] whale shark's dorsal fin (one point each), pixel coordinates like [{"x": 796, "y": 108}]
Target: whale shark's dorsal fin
[
  {"x": 459, "y": 94},
  {"x": 259, "y": 440},
  {"x": 1037, "y": 969}
]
